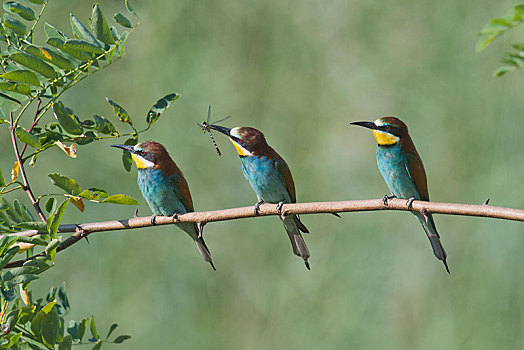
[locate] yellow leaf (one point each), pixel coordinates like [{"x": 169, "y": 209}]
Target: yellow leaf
[
  {"x": 14, "y": 172},
  {"x": 70, "y": 151},
  {"x": 23, "y": 246},
  {"x": 25, "y": 296},
  {"x": 46, "y": 54},
  {"x": 79, "y": 203}
]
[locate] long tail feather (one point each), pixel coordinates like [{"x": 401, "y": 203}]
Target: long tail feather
[
  {"x": 297, "y": 241},
  {"x": 206, "y": 254},
  {"x": 434, "y": 238}
]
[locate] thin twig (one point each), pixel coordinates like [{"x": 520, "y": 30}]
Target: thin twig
[
  {"x": 27, "y": 188},
  {"x": 83, "y": 230},
  {"x": 32, "y": 126}
]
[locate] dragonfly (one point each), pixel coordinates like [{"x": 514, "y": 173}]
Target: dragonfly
[{"x": 205, "y": 128}]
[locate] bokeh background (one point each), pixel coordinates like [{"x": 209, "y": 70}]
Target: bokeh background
[{"x": 301, "y": 71}]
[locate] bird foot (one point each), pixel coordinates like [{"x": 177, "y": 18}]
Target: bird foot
[
  {"x": 486, "y": 202},
  {"x": 136, "y": 213},
  {"x": 153, "y": 219},
  {"x": 256, "y": 208},
  {"x": 424, "y": 213},
  {"x": 200, "y": 226},
  {"x": 387, "y": 197},
  {"x": 279, "y": 208},
  {"x": 409, "y": 203},
  {"x": 174, "y": 216}
]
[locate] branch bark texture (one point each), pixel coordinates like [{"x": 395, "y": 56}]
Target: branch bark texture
[{"x": 83, "y": 230}]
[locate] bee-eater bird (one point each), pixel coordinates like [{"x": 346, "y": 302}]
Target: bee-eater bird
[
  {"x": 402, "y": 169},
  {"x": 270, "y": 178},
  {"x": 165, "y": 188}
]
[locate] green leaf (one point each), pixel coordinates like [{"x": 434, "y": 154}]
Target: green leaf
[
  {"x": 45, "y": 324},
  {"x": 503, "y": 70},
  {"x": 17, "y": 271},
  {"x": 495, "y": 25},
  {"x": 34, "y": 63},
  {"x": 37, "y": 2},
  {"x": 160, "y": 106},
  {"x": 130, "y": 9},
  {"x": 82, "y": 328},
  {"x": 9, "y": 98},
  {"x": 33, "y": 225},
  {"x": 83, "y": 45},
  {"x": 62, "y": 296},
  {"x": 127, "y": 160},
  {"x": 484, "y": 42},
  {"x": 120, "y": 46},
  {"x": 52, "y": 32},
  {"x": 27, "y": 138},
  {"x": 99, "y": 26},
  {"x": 67, "y": 119},
  {"x": 50, "y": 56},
  {"x": 92, "y": 327},
  {"x": 12, "y": 341},
  {"x": 15, "y": 25},
  {"x": 2, "y": 182},
  {"x": 121, "y": 338},
  {"x": 97, "y": 346},
  {"x": 104, "y": 126},
  {"x": 122, "y": 20},
  {"x": 65, "y": 183},
  {"x": 23, "y": 76},
  {"x": 15, "y": 87},
  {"x": 67, "y": 343},
  {"x": 24, "y": 279},
  {"x": 52, "y": 227},
  {"x": 8, "y": 292},
  {"x": 21, "y": 10},
  {"x": 72, "y": 329},
  {"x": 121, "y": 199},
  {"x": 50, "y": 249},
  {"x": 60, "y": 44},
  {"x": 35, "y": 239},
  {"x": 111, "y": 329},
  {"x": 8, "y": 256},
  {"x": 93, "y": 194},
  {"x": 82, "y": 33},
  {"x": 50, "y": 205},
  {"x": 120, "y": 112}
]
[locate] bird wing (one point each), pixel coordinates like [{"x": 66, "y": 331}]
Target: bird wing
[
  {"x": 181, "y": 190},
  {"x": 285, "y": 175},
  {"x": 417, "y": 173}
]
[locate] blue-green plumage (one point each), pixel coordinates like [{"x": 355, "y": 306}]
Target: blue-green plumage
[
  {"x": 163, "y": 197},
  {"x": 393, "y": 166},
  {"x": 164, "y": 188},
  {"x": 265, "y": 179},
  {"x": 402, "y": 169},
  {"x": 270, "y": 178}
]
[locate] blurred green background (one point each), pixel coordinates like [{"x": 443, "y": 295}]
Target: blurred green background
[{"x": 301, "y": 71}]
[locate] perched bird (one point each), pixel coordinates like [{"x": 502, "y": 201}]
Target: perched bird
[
  {"x": 165, "y": 188},
  {"x": 270, "y": 178},
  {"x": 402, "y": 169}
]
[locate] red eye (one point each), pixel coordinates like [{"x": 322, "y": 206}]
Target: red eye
[{"x": 388, "y": 128}]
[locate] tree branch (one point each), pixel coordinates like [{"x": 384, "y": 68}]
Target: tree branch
[
  {"x": 83, "y": 230},
  {"x": 27, "y": 188}
]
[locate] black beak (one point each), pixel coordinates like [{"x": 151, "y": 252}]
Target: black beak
[
  {"x": 125, "y": 148},
  {"x": 221, "y": 129},
  {"x": 369, "y": 125}
]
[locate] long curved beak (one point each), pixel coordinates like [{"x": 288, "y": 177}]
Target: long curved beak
[
  {"x": 369, "y": 125},
  {"x": 125, "y": 148},
  {"x": 221, "y": 129}
]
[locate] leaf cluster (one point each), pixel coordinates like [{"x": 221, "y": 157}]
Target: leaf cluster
[{"x": 495, "y": 28}]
